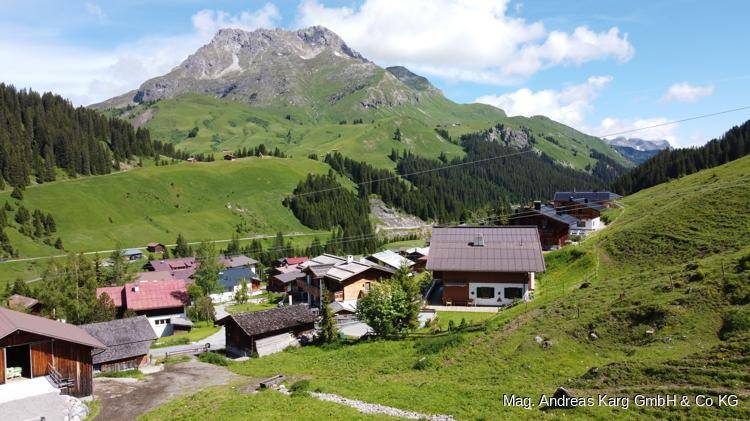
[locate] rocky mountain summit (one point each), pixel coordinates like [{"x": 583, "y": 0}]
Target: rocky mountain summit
[
  {"x": 637, "y": 150},
  {"x": 310, "y": 67}
]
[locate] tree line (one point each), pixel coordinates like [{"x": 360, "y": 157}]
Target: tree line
[
  {"x": 42, "y": 132},
  {"x": 676, "y": 163}
]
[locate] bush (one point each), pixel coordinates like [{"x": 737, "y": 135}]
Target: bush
[
  {"x": 300, "y": 387},
  {"x": 735, "y": 322},
  {"x": 213, "y": 358}
]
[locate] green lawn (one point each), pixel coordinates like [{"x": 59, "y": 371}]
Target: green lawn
[
  {"x": 271, "y": 301},
  {"x": 445, "y": 317},
  {"x": 201, "y": 330}
]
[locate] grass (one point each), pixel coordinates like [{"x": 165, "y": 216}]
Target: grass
[
  {"x": 232, "y": 403},
  {"x": 445, "y": 317},
  {"x": 172, "y": 360},
  {"x": 95, "y": 406},
  {"x": 135, "y": 374},
  {"x": 656, "y": 325},
  {"x": 200, "y": 330},
  {"x": 201, "y": 200},
  {"x": 271, "y": 301},
  {"x": 232, "y": 125}
]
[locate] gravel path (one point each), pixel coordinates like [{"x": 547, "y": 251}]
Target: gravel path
[
  {"x": 372, "y": 408},
  {"x": 127, "y": 400}
]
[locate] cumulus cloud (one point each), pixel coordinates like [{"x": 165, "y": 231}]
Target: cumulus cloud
[
  {"x": 569, "y": 105},
  {"x": 86, "y": 75},
  {"x": 460, "y": 39},
  {"x": 685, "y": 92},
  {"x": 612, "y": 127}
]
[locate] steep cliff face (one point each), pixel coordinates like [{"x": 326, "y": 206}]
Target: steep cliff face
[{"x": 267, "y": 67}]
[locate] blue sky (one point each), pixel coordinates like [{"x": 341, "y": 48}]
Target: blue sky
[{"x": 599, "y": 66}]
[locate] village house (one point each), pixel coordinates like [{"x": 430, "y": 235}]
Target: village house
[
  {"x": 127, "y": 341},
  {"x": 179, "y": 268},
  {"x": 390, "y": 259},
  {"x": 289, "y": 261},
  {"x": 132, "y": 254},
  {"x": 485, "y": 266},
  {"x": 162, "y": 302},
  {"x": 23, "y": 303},
  {"x": 554, "y": 226},
  {"x": 284, "y": 274},
  {"x": 567, "y": 198},
  {"x": 342, "y": 278},
  {"x": 33, "y": 347},
  {"x": 265, "y": 332},
  {"x": 156, "y": 248}
]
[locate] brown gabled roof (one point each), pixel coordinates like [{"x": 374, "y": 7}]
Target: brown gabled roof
[
  {"x": 505, "y": 249},
  {"x": 273, "y": 320},
  {"x": 21, "y": 301},
  {"x": 11, "y": 321}
]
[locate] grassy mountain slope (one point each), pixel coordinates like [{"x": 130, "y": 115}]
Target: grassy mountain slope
[
  {"x": 202, "y": 200},
  {"x": 232, "y": 125},
  {"x": 645, "y": 323}
]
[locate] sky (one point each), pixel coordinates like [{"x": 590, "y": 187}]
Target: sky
[{"x": 600, "y": 66}]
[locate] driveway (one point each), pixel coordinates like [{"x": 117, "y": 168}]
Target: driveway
[{"x": 126, "y": 400}]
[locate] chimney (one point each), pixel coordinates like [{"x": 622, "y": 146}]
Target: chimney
[
  {"x": 349, "y": 258},
  {"x": 135, "y": 288},
  {"x": 537, "y": 205},
  {"x": 479, "y": 240}
]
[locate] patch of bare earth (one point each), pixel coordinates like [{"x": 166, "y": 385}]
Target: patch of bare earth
[{"x": 122, "y": 400}]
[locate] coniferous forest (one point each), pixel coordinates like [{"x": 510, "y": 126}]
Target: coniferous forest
[
  {"x": 42, "y": 132},
  {"x": 676, "y": 163}
]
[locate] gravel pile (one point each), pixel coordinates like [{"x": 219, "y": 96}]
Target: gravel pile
[{"x": 370, "y": 408}]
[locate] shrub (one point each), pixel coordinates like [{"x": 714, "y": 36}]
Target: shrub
[
  {"x": 213, "y": 358},
  {"x": 300, "y": 387},
  {"x": 735, "y": 322}
]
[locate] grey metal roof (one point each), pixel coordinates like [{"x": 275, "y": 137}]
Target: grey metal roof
[
  {"x": 562, "y": 217},
  {"x": 11, "y": 321},
  {"x": 506, "y": 249},
  {"x": 595, "y": 196},
  {"x": 590, "y": 204},
  {"x": 289, "y": 276},
  {"x": 124, "y": 338},
  {"x": 237, "y": 261},
  {"x": 275, "y": 319}
]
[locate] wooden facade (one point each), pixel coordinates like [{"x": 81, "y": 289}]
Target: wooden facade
[
  {"x": 238, "y": 342},
  {"x": 456, "y": 283},
  {"x": 71, "y": 360},
  {"x": 551, "y": 231},
  {"x": 133, "y": 363}
]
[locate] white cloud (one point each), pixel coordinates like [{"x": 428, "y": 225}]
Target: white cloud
[
  {"x": 569, "y": 106},
  {"x": 87, "y": 75},
  {"x": 685, "y": 92},
  {"x": 96, "y": 11},
  {"x": 612, "y": 127},
  {"x": 462, "y": 39}
]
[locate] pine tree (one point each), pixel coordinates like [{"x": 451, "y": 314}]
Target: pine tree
[
  {"x": 181, "y": 249},
  {"x": 328, "y": 332}
]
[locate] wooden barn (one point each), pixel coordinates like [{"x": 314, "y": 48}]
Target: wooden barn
[
  {"x": 33, "y": 346},
  {"x": 268, "y": 331},
  {"x": 127, "y": 340},
  {"x": 554, "y": 226}
]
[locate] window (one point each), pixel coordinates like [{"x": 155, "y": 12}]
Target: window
[
  {"x": 513, "y": 293},
  {"x": 485, "y": 292},
  {"x": 367, "y": 287},
  {"x": 161, "y": 322}
]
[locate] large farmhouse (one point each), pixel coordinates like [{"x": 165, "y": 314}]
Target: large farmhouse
[
  {"x": 33, "y": 346},
  {"x": 343, "y": 279},
  {"x": 163, "y": 302},
  {"x": 268, "y": 331},
  {"x": 554, "y": 226},
  {"x": 485, "y": 266}
]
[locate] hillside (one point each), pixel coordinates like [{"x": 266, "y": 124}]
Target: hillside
[
  {"x": 666, "y": 329},
  {"x": 201, "y": 200},
  {"x": 306, "y": 91}
]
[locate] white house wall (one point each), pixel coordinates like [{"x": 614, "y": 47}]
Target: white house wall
[{"x": 499, "y": 293}]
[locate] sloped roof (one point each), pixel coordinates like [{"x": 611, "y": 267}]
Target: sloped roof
[
  {"x": 344, "y": 271},
  {"x": 237, "y": 261},
  {"x": 275, "y": 319},
  {"x": 115, "y": 293},
  {"x": 11, "y": 321},
  {"x": 291, "y": 261},
  {"x": 561, "y": 217},
  {"x": 124, "y": 338},
  {"x": 505, "y": 249},
  {"x": 132, "y": 252},
  {"x": 590, "y": 204},
  {"x": 324, "y": 259},
  {"x": 231, "y": 277},
  {"x": 595, "y": 196},
  {"x": 21, "y": 301},
  {"x": 156, "y": 294},
  {"x": 162, "y": 275},
  {"x": 418, "y": 250},
  {"x": 391, "y": 259},
  {"x": 288, "y": 277}
]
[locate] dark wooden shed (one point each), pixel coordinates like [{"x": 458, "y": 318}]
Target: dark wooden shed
[
  {"x": 36, "y": 345},
  {"x": 128, "y": 342},
  {"x": 244, "y": 330}
]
